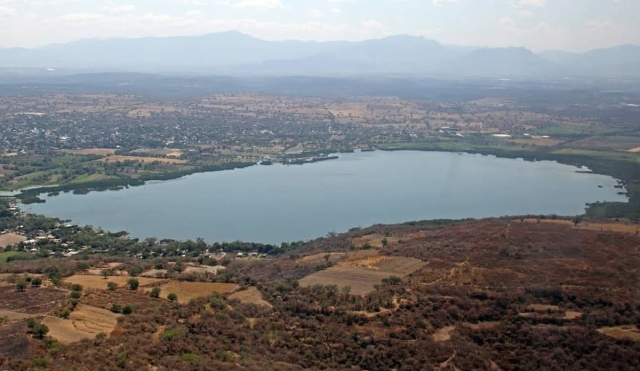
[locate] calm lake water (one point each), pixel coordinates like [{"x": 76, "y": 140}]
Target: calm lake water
[{"x": 278, "y": 203}]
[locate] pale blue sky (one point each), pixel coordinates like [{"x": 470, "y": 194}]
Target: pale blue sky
[{"x": 574, "y": 25}]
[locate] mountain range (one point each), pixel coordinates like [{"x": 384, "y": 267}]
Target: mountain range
[{"x": 236, "y": 53}]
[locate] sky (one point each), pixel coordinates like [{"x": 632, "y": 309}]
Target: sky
[{"x": 570, "y": 25}]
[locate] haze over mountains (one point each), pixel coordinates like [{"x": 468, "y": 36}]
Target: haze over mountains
[{"x": 236, "y": 53}]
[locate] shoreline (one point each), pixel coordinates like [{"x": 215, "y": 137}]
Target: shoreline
[{"x": 598, "y": 210}]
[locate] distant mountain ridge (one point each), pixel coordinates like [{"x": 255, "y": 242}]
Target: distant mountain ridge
[{"x": 236, "y": 53}]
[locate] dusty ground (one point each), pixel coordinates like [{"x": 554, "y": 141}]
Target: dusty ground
[
  {"x": 250, "y": 296},
  {"x": 33, "y": 301},
  {"x": 9, "y": 239},
  {"x": 190, "y": 290},
  {"x": 85, "y": 322},
  {"x": 622, "y": 332},
  {"x": 364, "y": 273}
]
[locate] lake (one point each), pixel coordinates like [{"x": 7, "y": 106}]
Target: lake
[{"x": 277, "y": 203}]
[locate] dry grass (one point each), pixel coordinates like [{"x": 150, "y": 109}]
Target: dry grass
[
  {"x": 374, "y": 240},
  {"x": 544, "y": 308},
  {"x": 250, "y": 296},
  {"x": 622, "y": 332},
  {"x": 541, "y": 142},
  {"x": 142, "y": 159},
  {"x": 363, "y": 276},
  {"x": 191, "y": 290},
  {"x": 154, "y": 273},
  {"x": 204, "y": 269},
  {"x": 443, "y": 334},
  {"x": 32, "y": 300},
  {"x": 334, "y": 256},
  {"x": 482, "y": 325},
  {"x": 85, "y": 322},
  {"x": 9, "y": 239},
  {"x": 619, "y": 227},
  {"x": 369, "y": 262},
  {"x": 10, "y": 315},
  {"x": 106, "y": 298},
  {"x": 571, "y": 314},
  {"x": 98, "y": 282},
  {"x": 91, "y": 151}
]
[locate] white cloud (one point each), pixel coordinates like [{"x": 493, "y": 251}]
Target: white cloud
[
  {"x": 532, "y": 2},
  {"x": 6, "y": 11},
  {"x": 116, "y": 9},
  {"x": 316, "y": 13},
  {"x": 439, "y": 2},
  {"x": 258, "y": 4},
  {"x": 598, "y": 25}
]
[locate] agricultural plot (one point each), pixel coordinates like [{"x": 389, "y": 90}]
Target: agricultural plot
[
  {"x": 191, "y": 290},
  {"x": 32, "y": 302},
  {"x": 106, "y": 298},
  {"x": 9, "y": 239},
  {"x": 622, "y": 332},
  {"x": 250, "y": 296},
  {"x": 15, "y": 341},
  {"x": 85, "y": 322},
  {"x": 204, "y": 269},
  {"x": 363, "y": 274}
]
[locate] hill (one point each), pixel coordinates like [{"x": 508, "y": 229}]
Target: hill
[
  {"x": 236, "y": 53},
  {"x": 496, "y": 294}
]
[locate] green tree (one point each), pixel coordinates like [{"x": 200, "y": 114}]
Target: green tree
[
  {"x": 112, "y": 285},
  {"x": 83, "y": 266},
  {"x": 392, "y": 280},
  {"x": 36, "y": 282},
  {"x": 115, "y": 308},
  {"x": 21, "y": 285},
  {"x": 40, "y": 330},
  {"x": 127, "y": 309},
  {"x": 133, "y": 284},
  {"x": 155, "y": 292},
  {"x": 54, "y": 275},
  {"x": 76, "y": 287},
  {"x": 172, "y": 297}
]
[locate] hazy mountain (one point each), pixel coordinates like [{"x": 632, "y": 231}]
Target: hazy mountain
[
  {"x": 501, "y": 62},
  {"x": 620, "y": 61},
  {"x": 236, "y": 53}
]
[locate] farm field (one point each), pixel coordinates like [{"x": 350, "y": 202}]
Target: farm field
[
  {"x": 190, "y": 290},
  {"x": 8, "y": 239},
  {"x": 85, "y": 322},
  {"x": 363, "y": 274},
  {"x": 31, "y": 302},
  {"x": 622, "y": 332},
  {"x": 250, "y": 296},
  {"x": 106, "y": 298}
]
